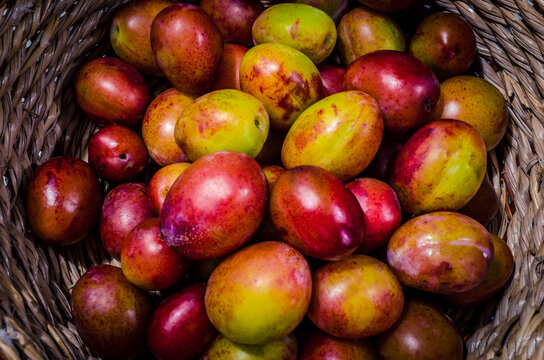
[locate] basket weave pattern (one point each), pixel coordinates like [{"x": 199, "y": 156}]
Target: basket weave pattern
[{"x": 42, "y": 43}]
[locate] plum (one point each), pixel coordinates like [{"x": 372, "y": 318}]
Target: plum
[
  {"x": 388, "y": 5},
  {"x": 227, "y": 119},
  {"x": 224, "y": 349},
  {"x": 147, "y": 261},
  {"x": 110, "y": 314},
  {"x": 161, "y": 182},
  {"x": 484, "y": 205},
  {"x": 284, "y": 79},
  {"x": 215, "y": 206},
  {"x": 300, "y": 26},
  {"x": 179, "y": 328},
  {"x": 441, "y": 252},
  {"x": 320, "y": 345},
  {"x": 130, "y": 34},
  {"x": 234, "y": 18},
  {"x": 187, "y": 46},
  {"x": 63, "y": 200},
  {"x": 477, "y": 102},
  {"x": 406, "y": 89},
  {"x": 362, "y": 31},
  {"x": 423, "y": 332},
  {"x": 111, "y": 91},
  {"x": 441, "y": 167},
  {"x": 355, "y": 298},
  {"x": 316, "y": 214},
  {"x": 228, "y": 75},
  {"x": 124, "y": 207},
  {"x": 159, "y": 123},
  {"x": 117, "y": 153},
  {"x": 446, "y": 43},
  {"x": 260, "y": 293},
  {"x": 332, "y": 78},
  {"x": 340, "y": 134}
]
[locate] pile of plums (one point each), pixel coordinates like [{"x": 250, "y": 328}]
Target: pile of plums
[{"x": 318, "y": 183}]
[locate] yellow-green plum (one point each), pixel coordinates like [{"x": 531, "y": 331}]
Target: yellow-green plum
[
  {"x": 442, "y": 252},
  {"x": 355, "y": 298},
  {"x": 478, "y": 102},
  {"x": 260, "y": 293},
  {"x": 300, "y": 26},
  {"x": 499, "y": 273},
  {"x": 440, "y": 167},
  {"x": 284, "y": 79},
  {"x": 364, "y": 30},
  {"x": 223, "y": 348},
  {"x": 423, "y": 332},
  {"x": 340, "y": 133},
  {"x": 226, "y": 119},
  {"x": 159, "y": 123}
]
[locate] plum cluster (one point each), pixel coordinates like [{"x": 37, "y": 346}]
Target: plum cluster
[{"x": 318, "y": 184}]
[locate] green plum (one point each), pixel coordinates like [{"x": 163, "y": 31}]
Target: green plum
[
  {"x": 223, "y": 348},
  {"x": 300, "y": 26}
]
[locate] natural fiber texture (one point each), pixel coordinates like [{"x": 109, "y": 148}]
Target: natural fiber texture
[{"x": 43, "y": 42}]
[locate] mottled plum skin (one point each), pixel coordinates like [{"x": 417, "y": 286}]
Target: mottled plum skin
[
  {"x": 159, "y": 123},
  {"x": 362, "y": 31},
  {"x": 355, "y": 298},
  {"x": 284, "y": 79},
  {"x": 300, "y": 26},
  {"x": 63, "y": 200},
  {"x": 320, "y": 346},
  {"x": 260, "y": 293},
  {"x": 484, "y": 205},
  {"x": 381, "y": 211},
  {"x": 477, "y": 102},
  {"x": 332, "y": 78},
  {"x": 222, "y": 348},
  {"x": 316, "y": 214},
  {"x": 124, "y": 207},
  {"x": 441, "y": 252},
  {"x": 441, "y": 167},
  {"x": 179, "y": 328},
  {"x": 215, "y": 206},
  {"x": 334, "y": 8},
  {"x": 110, "y": 91},
  {"x": 161, "y": 182},
  {"x": 227, "y": 119},
  {"x": 387, "y": 5},
  {"x": 422, "y": 333},
  {"x": 228, "y": 75},
  {"x": 113, "y": 327},
  {"x": 117, "y": 153},
  {"x": 340, "y": 134},
  {"x": 129, "y": 34},
  {"x": 147, "y": 261},
  {"x": 446, "y": 43},
  {"x": 187, "y": 46},
  {"x": 500, "y": 270},
  {"x": 234, "y": 18},
  {"x": 406, "y": 89},
  {"x": 272, "y": 173}
]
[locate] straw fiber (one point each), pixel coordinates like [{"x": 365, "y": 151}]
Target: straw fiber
[{"x": 41, "y": 44}]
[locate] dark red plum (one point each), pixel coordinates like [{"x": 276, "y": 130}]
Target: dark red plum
[
  {"x": 110, "y": 91},
  {"x": 117, "y": 153},
  {"x": 316, "y": 214},
  {"x": 381, "y": 211},
  {"x": 332, "y": 78},
  {"x": 406, "y": 89},
  {"x": 124, "y": 207},
  {"x": 179, "y": 328},
  {"x": 484, "y": 205},
  {"x": 111, "y": 314},
  {"x": 63, "y": 200},
  {"x": 323, "y": 346}
]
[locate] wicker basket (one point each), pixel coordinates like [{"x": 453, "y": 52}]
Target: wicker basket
[{"x": 42, "y": 43}]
